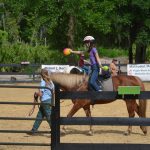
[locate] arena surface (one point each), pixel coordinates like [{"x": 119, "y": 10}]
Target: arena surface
[{"x": 75, "y": 134}]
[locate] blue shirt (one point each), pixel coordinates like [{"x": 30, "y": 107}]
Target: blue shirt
[{"x": 46, "y": 93}]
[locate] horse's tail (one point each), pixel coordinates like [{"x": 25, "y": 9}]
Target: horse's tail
[
  {"x": 142, "y": 102},
  {"x": 142, "y": 107}
]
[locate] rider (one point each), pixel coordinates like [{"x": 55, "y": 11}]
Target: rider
[
  {"x": 82, "y": 61},
  {"x": 95, "y": 62}
]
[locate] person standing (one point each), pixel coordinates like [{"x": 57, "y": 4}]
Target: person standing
[
  {"x": 113, "y": 67},
  {"x": 46, "y": 96}
]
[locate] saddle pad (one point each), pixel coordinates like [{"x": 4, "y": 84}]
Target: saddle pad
[{"x": 107, "y": 85}]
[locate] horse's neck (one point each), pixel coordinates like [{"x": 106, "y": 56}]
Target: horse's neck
[{"x": 68, "y": 81}]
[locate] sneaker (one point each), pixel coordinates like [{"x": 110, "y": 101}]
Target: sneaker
[
  {"x": 100, "y": 90},
  {"x": 32, "y": 132}
]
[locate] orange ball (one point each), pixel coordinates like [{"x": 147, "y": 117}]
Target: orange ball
[{"x": 67, "y": 51}]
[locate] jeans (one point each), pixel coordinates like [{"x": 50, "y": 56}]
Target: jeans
[
  {"x": 44, "y": 111},
  {"x": 93, "y": 85},
  {"x": 86, "y": 69}
]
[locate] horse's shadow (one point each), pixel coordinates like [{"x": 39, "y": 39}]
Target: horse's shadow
[
  {"x": 76, "y": 131},
  {"x": 38, "y": 135},
  {"x": 114, "y": 132}
]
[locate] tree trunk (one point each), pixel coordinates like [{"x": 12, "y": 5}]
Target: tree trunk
[
  {"x": 130, "y": 47},
  {"x": 130, "y": 54},
  {"x": 140, "y": 56},
  {"x": 131, "y": 34},
  {"x": 70, "y": 33},
  {"x": 3, "y": 20}
]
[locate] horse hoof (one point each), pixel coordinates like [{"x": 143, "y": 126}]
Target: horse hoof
[
  {"x": 145, "y": 133},
  {"x": 63, "y": 132},
  {"x": 90, "y": 133},
  {"x": 144, "y": 129},
  {"x": 127, "y": 133}
]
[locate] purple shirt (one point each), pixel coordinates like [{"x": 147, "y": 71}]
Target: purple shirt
[{"x": 92, "y": 56}]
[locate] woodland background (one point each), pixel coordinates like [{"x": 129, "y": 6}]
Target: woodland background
[{"x": 38, "y": 30}]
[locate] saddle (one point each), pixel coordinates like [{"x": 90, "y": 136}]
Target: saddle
[
  {"x": 105, "y": 81},
  {"x": 107, "y": 84}
]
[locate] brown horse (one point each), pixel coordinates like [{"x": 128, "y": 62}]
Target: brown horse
[{"x": 76, "y": 82}]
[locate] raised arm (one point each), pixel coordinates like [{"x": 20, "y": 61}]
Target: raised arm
[{"x": 77, "y": 52}]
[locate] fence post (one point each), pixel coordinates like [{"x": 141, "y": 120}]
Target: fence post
[{"x": 55, "y": 121}]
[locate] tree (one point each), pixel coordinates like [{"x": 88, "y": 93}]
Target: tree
[
  {"x": 62, "y": 23},
  {"x": 2, "y": 16},
  {"x": 141, "y": 25}
]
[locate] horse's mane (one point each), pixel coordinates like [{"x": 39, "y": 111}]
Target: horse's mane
[
  {"x": 74, "y": 81},
  {"x": 69, "y": 81}
]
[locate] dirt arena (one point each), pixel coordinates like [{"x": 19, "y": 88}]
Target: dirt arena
[{"x": 76, "y": 134}]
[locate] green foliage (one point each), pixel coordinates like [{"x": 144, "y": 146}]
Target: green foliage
[
  {"x": 148, "y": 54},
  {"x": 20, "y": 52},
  {"x": 112, "y": 53},
  {"x": 34, "y": 20},
  {"x": 40, "y": 23},
  {"x": 143, "y": 38},
  {"x": 3, "y": 37}
]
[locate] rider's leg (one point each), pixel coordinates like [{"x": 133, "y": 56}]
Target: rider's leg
[
  {"x": 86, "y": 69},
  {"x": 93, "y": 79}
]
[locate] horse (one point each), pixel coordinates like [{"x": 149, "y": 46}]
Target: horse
[{"x": 79, "y": 82}]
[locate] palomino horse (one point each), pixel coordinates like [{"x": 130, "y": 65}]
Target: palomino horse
[{"x": 76, "y": 82}]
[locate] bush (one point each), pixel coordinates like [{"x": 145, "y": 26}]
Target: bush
[
  {"x": 112, "y": 53},
  {"x": 19, "y": 52},
  {"x": 3, "y": 37}
]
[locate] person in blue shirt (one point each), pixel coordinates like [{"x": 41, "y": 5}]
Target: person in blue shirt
[{"x": 46, "y": 96}]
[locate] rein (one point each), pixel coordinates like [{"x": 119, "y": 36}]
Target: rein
[{"x": 34, "y": 102}]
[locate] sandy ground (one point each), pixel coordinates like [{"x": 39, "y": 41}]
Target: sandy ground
[{"x": 77, "y": 134}]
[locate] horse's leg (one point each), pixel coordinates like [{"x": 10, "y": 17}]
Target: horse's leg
[
  {"x": 140, "y": 114},
  {"x": 131, "y": 104},
  {"x": 73, "y": 110},
  {"x": 88, "y": 114}
]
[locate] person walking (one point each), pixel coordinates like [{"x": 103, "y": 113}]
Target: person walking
[
  {"x": 113, "y": 67},
  {"x": 46, "y": 96}
]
